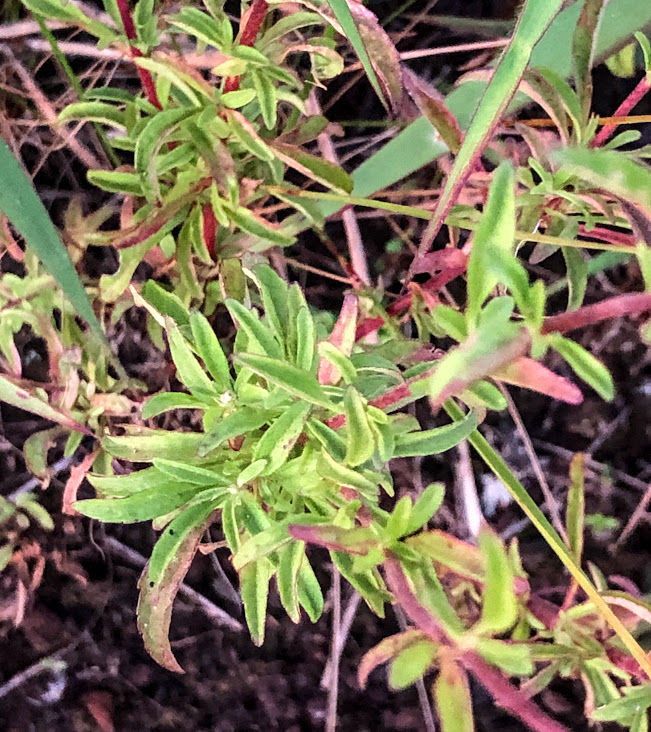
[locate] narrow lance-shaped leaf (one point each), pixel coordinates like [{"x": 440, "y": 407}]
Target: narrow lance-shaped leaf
[
  {"x": 21, "y": 398},
  {"x": 254, "y": 587},
  {"x": 162, "y": 577},
  {"x": 583, "y": 46},
  {"x": 360, "y": 442},
  {"x": 21, "y": 205},
  {"x": 499, "y": 607},
  {"x": 576, "y": 506},
  {"x": 586, "y": 366},
  {"x": 295, "y": 381},
  {"x": 452, "y": 696}
]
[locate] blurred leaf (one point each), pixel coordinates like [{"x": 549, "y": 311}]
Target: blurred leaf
[
  {"x": 459, "y": 556},
  {"x": 322, "y": 171},
  {"x": 243, "y": 420},
  {"x": 166, "y": 303},
  {"x": 188, "y": 473},
  {"x": 342, "y": 338},
  {"x": 411, "y": 664},
  {"x": 586, "y": 366},
  {"x": 611, "y": 170},
  {"x": 245, "y": 134},
  {"x": 385, "y": 650},
  {"x": 452, "y": 697},
  {"x": 168, "y": 400},
  {"x": 427, "y": 504},
  {"x": 188, "y": 369},
  {"x": 514, "y": 658},
  {"x": 15, "y": 395},
  {"x": 576, "y": 506},
  {"x": 36, "y": 448},
  {"x": 583, "y": 48},
  {"x": 435, "y": 441},
  {"x": 360, "y": 442},
  {"x": 499, "y": 604},
  {"x": 431, "y": 103},
  {"x": 170, "y": 560},
  {"x": 295, "y": 381},
  {"x": 106, "y": 114},
  {"x": 277, "y": 442},
  {"x": 492, "y": 241},
  {"x": 145, "y": 445},
  {"x": 254, "y": 587},
  {"x": 530, "y": 374},
  {"x": 622, "y": 710},
  {"x": 309, "y": 592},
  {"x": 145, "y": 505},
  {"x": 21, "y": 205}
]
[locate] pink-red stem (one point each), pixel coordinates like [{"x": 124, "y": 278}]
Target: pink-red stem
[
  {"x": 146, "y": 78},
  {"x": 253, "y": 23},
  {"x": 624, "y": 109}
]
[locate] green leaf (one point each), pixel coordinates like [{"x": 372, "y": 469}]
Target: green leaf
[
  {"x": 360, "y": 441},
  {"x": 121, "y": 486},
  {"x": 257, "y": 332},
  {"x": 36, "y": 448},
  {"x": 427, "y": 504},
  {"x": 577, "y": 277},
  {"x": 295, "y": 381},
  {"x": 435, "y": 441},
  {"x": 452, "y": 698},
  {"x": 322, "y": 171},
  {"x": 167, "y": 303},
  {"x": 500, "y": 607},
  {"x": 621, "y": 710},
  {"x": 210, "y": 351},
  {"x": 291, "y": 558},
  {"x": 146, "y": 445},
  {"x": 306, "y": 340},
  {"x": 575, "y": 517},
  {"x": 15, "y": 395},
  {"x": 278, "y": 441},
  {"x": 253, "y": 224},
  {"x": 145, "y": 505},
  {"x": 611, "y": 170},
  {"x": 166, "y": 401},
  {"x": 330, "y": 439},
  {"x": 399, "y": 518},
  {"x": 150, "y": 140},
  {"x": 583, "y": 48},
  {"x": 274, "y": 291},
  {"x": 266, "y": 95},
  {"x": 188, "y": 369},
  {"x": 586, "y": 366},
  {"x": 261, "y": 545},
  {"x": 254, "y": 588},
  {"x": 244, "y": 132},
  {"x": 106, "y": 114},
  {"x": 29, "y": 505},
  {"x": 245, "y": 419},
  {"x": 188, "y": 473},
  {"x": 514, "y": 658},
  {"x": 238, "y": 98},
  {"x": 116, "y": 181},
  {"x": 310, "y": 595},
  {"x": 494, "y": 236},
  {"x": 411, "y": 664},
  {"x": 343, "y": 366},
  {"x": 20, "y": 204},
  {"x": 162, "y": 577},
  {"x": 329, "y": 468}
]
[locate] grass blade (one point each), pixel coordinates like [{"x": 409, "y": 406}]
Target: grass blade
[{"x": 22, "y": 206}]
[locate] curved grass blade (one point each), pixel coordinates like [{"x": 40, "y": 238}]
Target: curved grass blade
[
  {"x": 22, "y": 206},
  {"x": 534, "y": 20}
]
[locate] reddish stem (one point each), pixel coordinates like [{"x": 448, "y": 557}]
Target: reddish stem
[
  {"x": 252, "y": 24},
  {"x": 145, "y": 76},
  {"x": 624, "y": 109},
  {"x": 209, "y": 230},
  {"x": 614, "y": 307},
  {"x": 503, "y": 692}
]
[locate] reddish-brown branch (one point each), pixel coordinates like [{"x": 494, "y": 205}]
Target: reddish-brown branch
[
  {"x": 631, "y": 101},
  {"x": 503, "y": 692},
  {"x": 614, "y": 307},
  {"x": 252, "y": 24},
  {"x": 145, "y": 76},
  {"x": 209, "y": 229}
]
